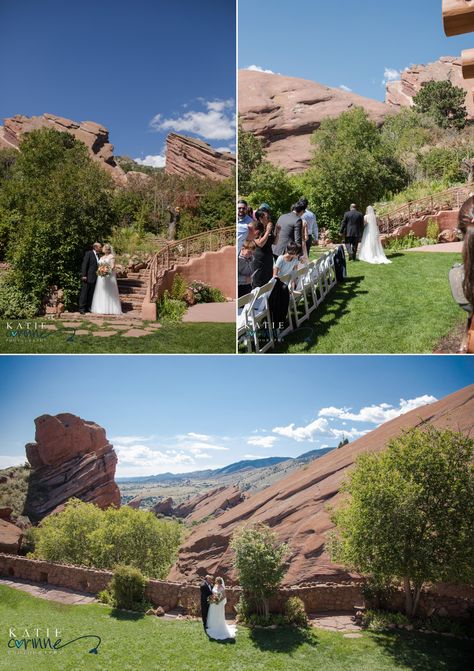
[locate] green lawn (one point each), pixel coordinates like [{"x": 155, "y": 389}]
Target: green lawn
[
  {"x": 405, "y": 307},
  {"x": 200, "y": 338},
  {"x": 132, "y": 642}
]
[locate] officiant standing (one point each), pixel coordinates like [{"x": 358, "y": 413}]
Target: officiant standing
[{"x": 352, "y": 228}]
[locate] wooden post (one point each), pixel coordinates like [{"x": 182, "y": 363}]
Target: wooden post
[
  {"x": 458, "y": 17},
  {"x": 467, "y": 57}
]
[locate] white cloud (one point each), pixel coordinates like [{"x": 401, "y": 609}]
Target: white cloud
[
  {"x": 224, "y": 150},
  {"x": 7, "y": 460},
  {"x": 128, "y": 440},
  {"x": 257, "y": 68},
  {"x": 390, "y": 75},
  {"x": 157, "y": 161},
  {"x": 262, "y": 441},
  {"x": 199, "y": 436},
  {"x": 216, "y": 123},
  {"x": 319, "y": 426},
  {"x": 301, "y": 433},
  {"x": 345, "y": 88},
  {"x": 252, "y": 456},
  {"x": 377, "y": 414}
]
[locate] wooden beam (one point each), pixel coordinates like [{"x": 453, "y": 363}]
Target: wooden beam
[
  {"x": 458, "y": 17},
  {"x": 467, "y": 58}
]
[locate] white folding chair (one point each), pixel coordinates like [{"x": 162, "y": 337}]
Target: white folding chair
[
  {"x": 259, "y": 314},
  {"x": 243, "y": 321},
  {"x": 332, "y": 269},
  {"x": 311, "y": 301},
  {"x": 317, "y": 282},
  {"x": 298, "y": 298}
]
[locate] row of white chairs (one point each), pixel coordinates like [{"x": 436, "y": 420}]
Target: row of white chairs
[{"x": 308, "y": 287}]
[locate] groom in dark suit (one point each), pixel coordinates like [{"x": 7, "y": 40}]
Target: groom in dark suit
[
  {"x": 352, "y": 228},
  {"x": 89, "y": 267},
  {"x": 206, "y": 591}
]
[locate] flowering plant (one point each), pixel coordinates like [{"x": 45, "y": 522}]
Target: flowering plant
[{"x": 104, "y": 270}]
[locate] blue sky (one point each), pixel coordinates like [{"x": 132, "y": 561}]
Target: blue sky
[
  {"x": 344, "y": 43},
  {"x": 173, "y": 413},
  {"x": 123, "y": 64}
]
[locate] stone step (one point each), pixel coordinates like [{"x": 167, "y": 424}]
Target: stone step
[{"x": 125, "y": 289}]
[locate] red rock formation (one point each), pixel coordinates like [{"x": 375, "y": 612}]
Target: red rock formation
[
  {"x": 135, "y": 502},
  {"x": 164, "y": 507},
  {"x": 296, "y": 506},
  {"x": 70, "y": 458},
  {"x": 10, "y": 537},
  {"x": 209, "y": 503},
  {"x": 400, "y": 93},
  {"x": 94, "y": 136},
  {"x": 189, "y": 156},
  {"x": 285, "y": 111}
]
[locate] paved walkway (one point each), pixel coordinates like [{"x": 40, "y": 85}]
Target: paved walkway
[
  {"x": 211, "y": 312},
  {"x": 50, "y": 592},
  {"x": 341, "y": 622},
  {"x": 442, "y": 247},
  {"x": 110, "y": 325}
]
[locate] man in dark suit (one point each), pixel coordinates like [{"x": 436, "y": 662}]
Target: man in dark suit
[
  {"x": 89, "y": 267},
  {"x": 352, "y": 228},
  {"x": 206, "y": 591},
  {"x": 289, "y": 229}
]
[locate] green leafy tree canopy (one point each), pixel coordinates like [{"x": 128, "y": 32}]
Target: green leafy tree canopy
[
  {"x": 444, "y": 102},
  {"x": 409, "y": 517}
]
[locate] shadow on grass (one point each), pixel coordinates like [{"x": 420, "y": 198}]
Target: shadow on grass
[
  {"x": 425, "y": 652},
  {"x": 129, "y": 615},
  {"x": 325, "y": 317},
  {"x": 225, "y": 641},
  {"x": 283, "y": 639}
]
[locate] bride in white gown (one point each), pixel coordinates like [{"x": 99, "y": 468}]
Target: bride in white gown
[
  {"x": 216, "y": 626},
  {"x": 106, "y": 300},
  {"x": 371, "y": 249}
]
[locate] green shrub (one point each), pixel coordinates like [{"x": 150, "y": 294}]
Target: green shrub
[
  {"x": 127, "y": 588},
  {"x": 170, "y": 309},
  {"x": 295, "y": 612},
  {"x": 203, "y": 293},
  {"x": 432, "y": 229},
  {"x": 377, "y": 620},
  {"x": 83, "y": 534},
  {"x": 14, "y": 304},
  {"x": 178, "y": 290}
]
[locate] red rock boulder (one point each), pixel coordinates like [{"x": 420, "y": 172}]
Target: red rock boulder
[
  {"x": 189, "y": 156},
  {"x": 71, "y": 457}
]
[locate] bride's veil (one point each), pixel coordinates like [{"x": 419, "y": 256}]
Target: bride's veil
[{"x": 370, "y": 214}]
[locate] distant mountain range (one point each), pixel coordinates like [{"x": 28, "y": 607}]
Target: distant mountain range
[{"x": 239, "y": 467}]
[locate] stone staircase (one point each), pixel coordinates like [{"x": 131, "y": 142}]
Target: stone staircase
[{"x": 132, "y": 290}]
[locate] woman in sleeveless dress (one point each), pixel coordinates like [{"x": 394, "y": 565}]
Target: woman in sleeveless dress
[
  {"x": 371, "y": 249},
  {"x": 216, "y": 626},
  {"x": 106, "y": 300}
]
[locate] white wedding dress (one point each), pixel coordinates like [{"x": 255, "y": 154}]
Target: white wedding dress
[
  {"x": 106, "y": 300},
  {"x": 216, "y": 626},
  {"x": 371, "y": 249}
]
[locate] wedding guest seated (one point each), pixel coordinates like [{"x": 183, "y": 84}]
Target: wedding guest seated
[
  {"x": 245, "y": 268},
  {"x": 287, "y": 262}
]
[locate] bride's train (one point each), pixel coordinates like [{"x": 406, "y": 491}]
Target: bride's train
[{"x": 371, "y": 250}]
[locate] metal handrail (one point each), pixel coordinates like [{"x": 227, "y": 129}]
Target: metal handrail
[
  {"x": 181, "y": 251},
  {"x": 404, "y": 214}
]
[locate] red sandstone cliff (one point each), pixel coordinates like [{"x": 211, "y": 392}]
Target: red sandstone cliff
[
  {"x": 447, "y": 68},
  {"x": 69, "y": 458},
  {"x": 285, "y": 111},
  {"x": 189, "y": 156},
  {"x": 94, "y": 136},
  {"x": 296, "y": 506}
]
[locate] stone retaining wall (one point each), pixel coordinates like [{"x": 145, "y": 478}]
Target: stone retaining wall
[{"x": 449, "y": 599}]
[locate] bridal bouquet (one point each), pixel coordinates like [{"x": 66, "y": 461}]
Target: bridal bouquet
[
  {"x": 104, "y": 270},
  {"x": 215, "y": 598}
]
